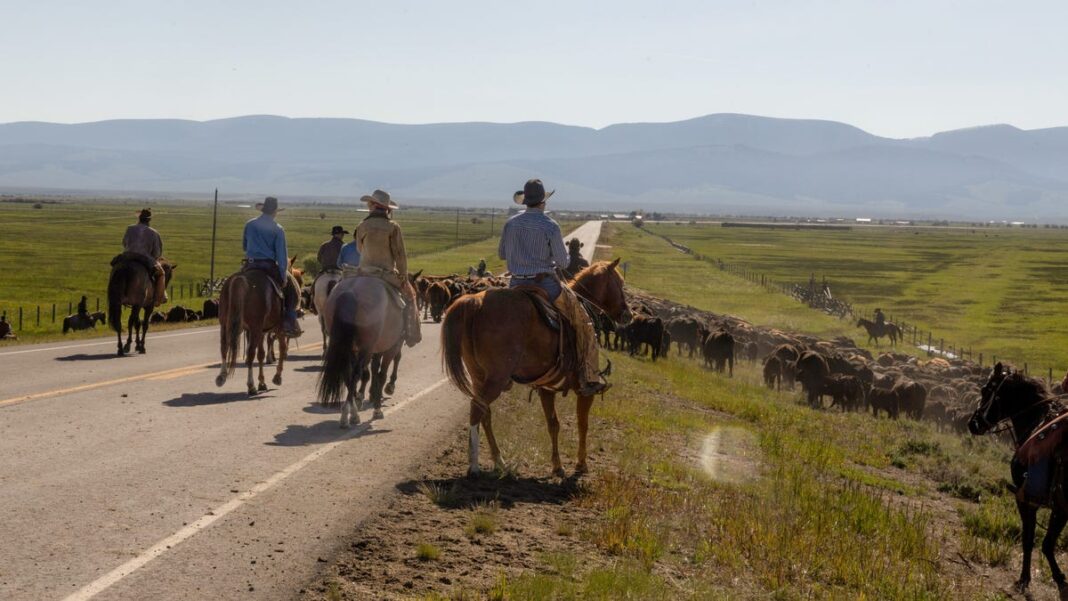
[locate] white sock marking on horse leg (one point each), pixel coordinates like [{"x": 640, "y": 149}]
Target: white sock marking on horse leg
[{"x": 472, "y": 450}]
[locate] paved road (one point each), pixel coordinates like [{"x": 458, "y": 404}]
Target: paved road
[
  {"x": 587, "y": 233},
  {"x": 137, "y": 478}
]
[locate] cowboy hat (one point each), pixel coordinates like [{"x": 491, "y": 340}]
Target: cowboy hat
[
  {"x": 532, "y": 194},
  {"x": 269, "y": 205},
  {"x": 144, "y": 214},
  {"x": 337, "y": 229},
  {"x": 380, "y": 198}
]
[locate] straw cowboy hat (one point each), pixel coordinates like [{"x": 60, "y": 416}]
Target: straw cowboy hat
[
  {"x": 269, "y": 205},
  {"x": 532, "y": 194},
  {"x": 380, "y": 198}
]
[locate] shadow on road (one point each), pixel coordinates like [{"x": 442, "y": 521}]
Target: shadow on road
[
  {"x": 323, "y": 432},
  {"x": 464, "y": 492},
  {"x": 318, "y": 409},
  {"x": 296, "y": 357},
  {"x": 200, "y": 399},
  {"x": 310, "y": 368},
  {"x": 85, "y": 357}
]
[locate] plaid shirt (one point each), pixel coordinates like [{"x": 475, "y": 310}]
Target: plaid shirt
[{"x": 531, "y": 243}]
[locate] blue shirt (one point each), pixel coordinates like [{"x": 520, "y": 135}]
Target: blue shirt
[
  {"x": 265, "y": 239},
  {"x": 531, "y": 243},
  {"x": 349, "y": 255}
]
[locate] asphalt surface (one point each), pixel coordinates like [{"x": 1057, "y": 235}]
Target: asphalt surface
[{"x": 137, "y": 478}]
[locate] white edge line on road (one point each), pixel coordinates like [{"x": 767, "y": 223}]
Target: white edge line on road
[
  {"x": 88, "y": 344},
  {"x": 100, "y": 584}
]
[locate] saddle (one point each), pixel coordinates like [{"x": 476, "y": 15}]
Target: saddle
[
  {"x": 271, "y": 271},
  {"x": 391, "y": 278},
  {"x": 562, "y": 375},
  {"x": 1045, "y": 442},
  {"x": 548, "y": 313}
]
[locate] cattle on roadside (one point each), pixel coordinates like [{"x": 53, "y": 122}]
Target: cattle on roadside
[
  {"x": 718, "y": 351},
  {"x": 811, "y": 369}
]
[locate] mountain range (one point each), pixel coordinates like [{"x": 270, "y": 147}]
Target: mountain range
[{"x": 717, "y": 164}]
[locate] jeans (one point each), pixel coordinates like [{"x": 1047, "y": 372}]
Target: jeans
[{"x": 549, "y": 284}]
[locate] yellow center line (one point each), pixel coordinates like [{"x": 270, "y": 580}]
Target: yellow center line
[{"x": 169, "y": 374}]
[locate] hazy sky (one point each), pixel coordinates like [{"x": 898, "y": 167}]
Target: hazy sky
[{"x": 895, "y": 68}]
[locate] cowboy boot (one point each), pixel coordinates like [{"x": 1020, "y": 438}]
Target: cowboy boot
[
  {"x": 585, "y": 341},
  {"x": 413, "y": 335}
]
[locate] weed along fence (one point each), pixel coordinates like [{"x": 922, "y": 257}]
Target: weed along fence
[
  {"x": 816, "y": 294},
  {"x": 47, "y": 317}
]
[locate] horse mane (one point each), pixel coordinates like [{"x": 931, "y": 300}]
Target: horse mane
[{"x": 595, "y": 269}]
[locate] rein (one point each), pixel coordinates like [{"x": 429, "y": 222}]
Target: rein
[{"x": 587, "y": 301}]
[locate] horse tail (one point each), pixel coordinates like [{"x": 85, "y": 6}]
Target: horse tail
[
  {"x": 339, "y": 360},
  {"x": 116, "y": 288},
  {"x": 231, "y": 315},
  {"x": 455, "y": 329}
]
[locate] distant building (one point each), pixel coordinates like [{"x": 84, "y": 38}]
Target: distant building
[{"x": 863, "y": 219}]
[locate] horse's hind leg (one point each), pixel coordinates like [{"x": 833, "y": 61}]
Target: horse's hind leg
[
  {"x": 250, "y": 356},
  {"x": 495, "y": 451},
  {"x": 260, "y": 355},
  {"x": 121, "y": 351},
  {"x": 144, "y": 330},
  {"x": 130, "y": 329},
  {"x": 1057, "y": 520},
  {"x": 548, "y": 406}
]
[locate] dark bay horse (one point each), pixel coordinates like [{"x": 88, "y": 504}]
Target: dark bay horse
[
  {"x": 250, "y": 304},
  {"x": 888, "y": 329},
  {"x": 494, "y": 338},
  {"x": 366, "y": 328},
  {"x": 130, "y": 285},
  {"x": 83, "y": 322},
  {"x": 1025, "y": 402},
  {"x": 576, "y": 262}
]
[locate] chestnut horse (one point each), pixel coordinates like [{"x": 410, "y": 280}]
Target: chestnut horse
[
  {"x": 1024, "y": 401},
  {"x": 249, "y": 303},
  {"x": 495, "y": 337},
  {"x": 366, "y": 331}
]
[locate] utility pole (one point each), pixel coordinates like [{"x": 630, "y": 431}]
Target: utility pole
[{"x": 214, "y": 222}]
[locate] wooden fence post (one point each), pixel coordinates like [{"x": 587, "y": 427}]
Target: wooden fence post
[
  {"x": 20, "y": 319},
  {"x": 53, "y": 312},
  {"x": 38, "y": 315}
]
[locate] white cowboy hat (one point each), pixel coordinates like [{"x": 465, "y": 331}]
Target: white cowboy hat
[{"x": 380, "y": 198}]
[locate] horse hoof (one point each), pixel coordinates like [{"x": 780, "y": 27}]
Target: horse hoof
[
  {"x": 581, "y": 469},
  {"x": 1022, "y": 585},
  {"x": 141, "y": 350},
  {"x": 343, "y": 425},
  {"x": 474, "y": 473},
  {"x": 277, "y": 380},
  {"x": 559, "y": 472},
  {"x": 262, "y": 387},
  {"x": 390, "y": 388},
  {"x": 378, "y": 414},
  {"x": 220, "y": 380},
  {"x": 251, "y": 392}
]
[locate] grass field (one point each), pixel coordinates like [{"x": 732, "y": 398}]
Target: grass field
[
  {"x": 996, "y": 290},
  {"x": 58, "y": 252}
]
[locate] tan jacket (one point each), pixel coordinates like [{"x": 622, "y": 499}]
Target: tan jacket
[{"x": 381, "y": 245}]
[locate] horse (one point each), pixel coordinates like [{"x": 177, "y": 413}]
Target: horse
[
  {"x": 321, "y": 288},
  {"x": 888, "y": 329},
  {"x": 249, "y": 303},
  {"x": 130, "y": 285},
  {"x": 1025, "y": 402},
  {"x": 364, "y": 321},
  {"x": 495, "y": 337},
  {"x": 83, "y": 322}
]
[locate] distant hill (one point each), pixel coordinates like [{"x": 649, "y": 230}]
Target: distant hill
[{"x": 724, "y": 163}]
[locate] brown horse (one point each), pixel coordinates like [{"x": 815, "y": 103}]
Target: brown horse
[
  {"x": 495, "y": 337},
  {"x": 130, "y": 285},
  {"x": 249, "y": 303},
  {"x": 888, "y": 329},
  {"x": 366, "y": 328}
]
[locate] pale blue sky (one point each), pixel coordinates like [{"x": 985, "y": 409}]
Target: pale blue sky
[{"x": 895, "y": 68}]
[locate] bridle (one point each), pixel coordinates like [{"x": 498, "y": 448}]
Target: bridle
[
  {"x": 982, "y": 419},
  {"x": 591, "y": 303}
]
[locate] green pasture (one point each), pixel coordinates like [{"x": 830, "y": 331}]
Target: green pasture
[
  {"x": 56, "y": 253},
  {"x": 996, "y": 290}
]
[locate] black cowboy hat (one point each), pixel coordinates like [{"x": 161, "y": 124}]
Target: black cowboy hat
[
  {"x": 337, "y": 229},
  {"x": 269, "y": 205},
  {"x": 532, "y": 194},
  {"x": 145, "y": 214}
]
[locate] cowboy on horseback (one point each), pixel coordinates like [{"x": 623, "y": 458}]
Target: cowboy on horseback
[
  {"x": 381, "y": 248},
  {"x": 143, "y": 244},
  {"x": 330, "y": 251},
  {"x": 533, "y": 247},
  {"x": 264, "y": 242},
  {"x": 83, "y": 307},
  {"x": 880, "y": 319}
]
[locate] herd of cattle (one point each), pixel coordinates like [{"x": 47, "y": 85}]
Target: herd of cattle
[{"x": 893, "y": 384}]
